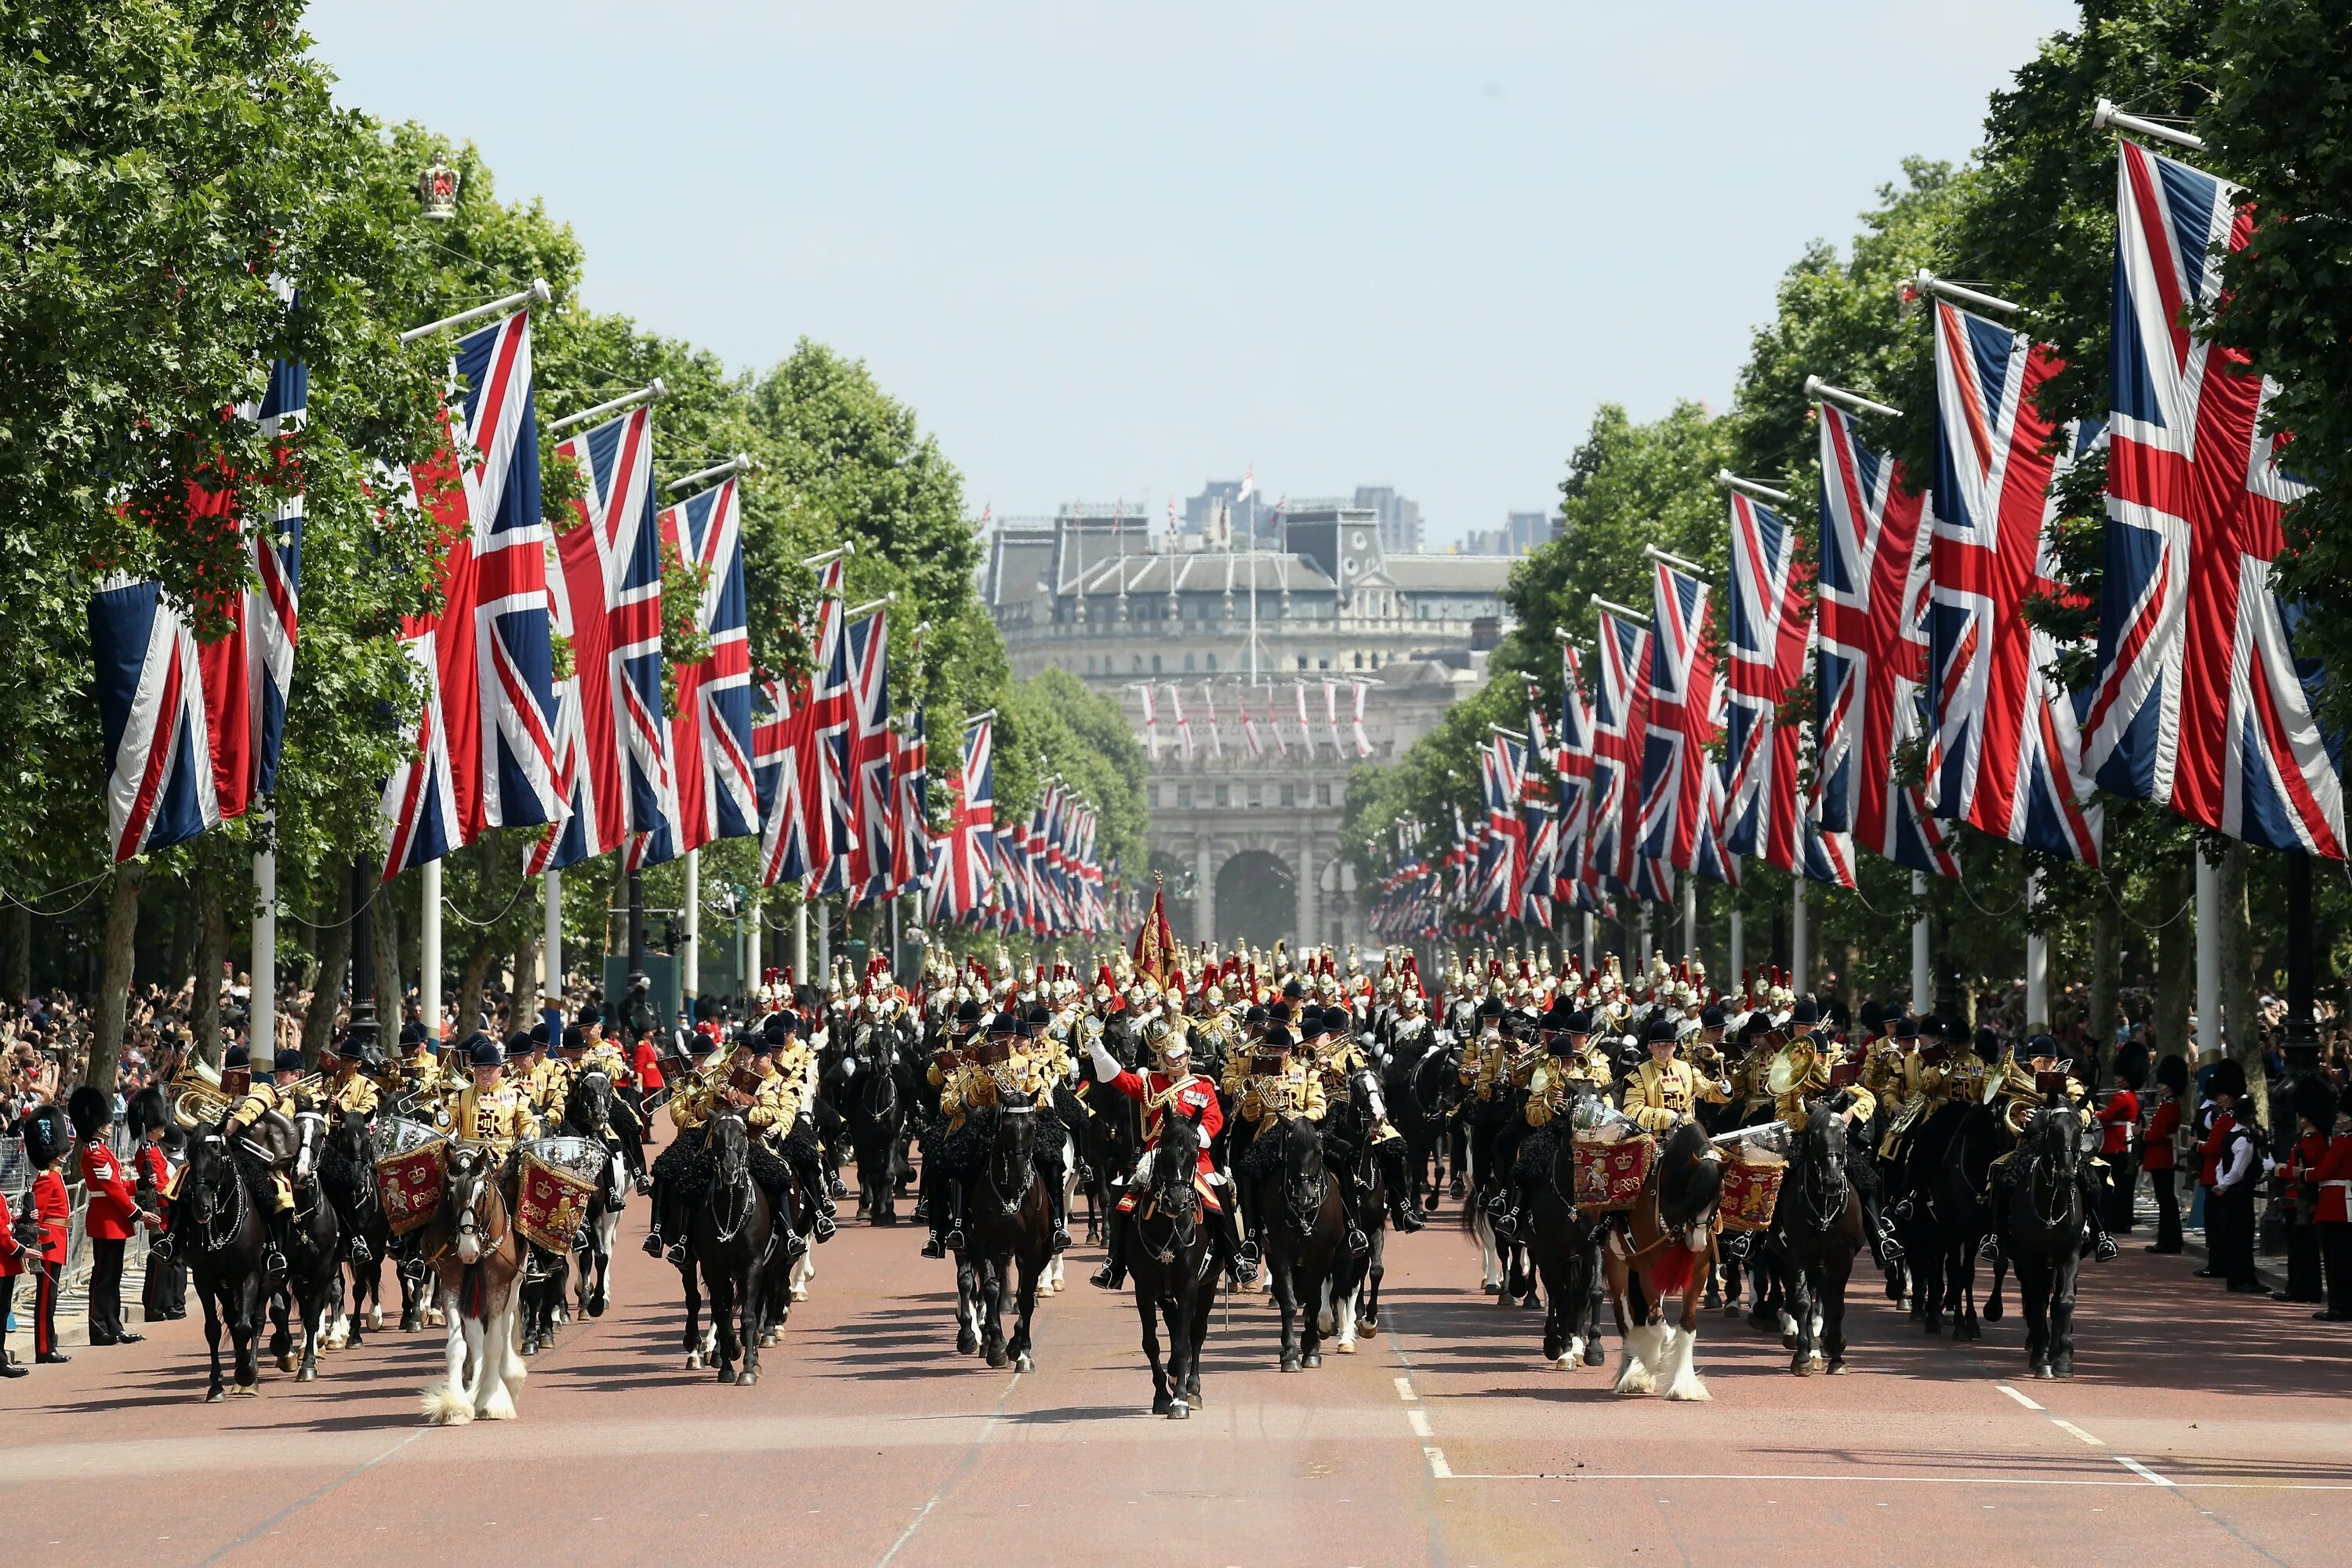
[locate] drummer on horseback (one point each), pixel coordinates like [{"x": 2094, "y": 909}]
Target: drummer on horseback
[
  {"x": 1170, "y": 1085},
  {"x": 1667, "y": 1089},
  {"x": 1569, "y": 1070},
  {"x": 489, "y": 1111}
]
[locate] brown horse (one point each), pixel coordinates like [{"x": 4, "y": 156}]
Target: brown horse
[
  {"x": 1666, "y": 1249},
  {"x": 477, "y": 1256}
]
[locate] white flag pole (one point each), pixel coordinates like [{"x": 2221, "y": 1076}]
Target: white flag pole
[
  {"x": 690, "y": 967},
  {"x": 1922, "y": 982},
  {"x": 261, "y": 1033},
  {"x": 2037, "y": 963},
  {"x": 2208, "y": 959},
  {"x": 428, "y": 941}
]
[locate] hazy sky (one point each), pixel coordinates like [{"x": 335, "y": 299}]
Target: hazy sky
[{"x": 1109, "y": 249}]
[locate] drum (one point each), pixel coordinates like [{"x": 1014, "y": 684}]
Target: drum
[
  {"x": 1610, "y": 1170},
  {"x": 409, "y": 1171},
  {"x": 1751, "y": 1187},
  {"x": 559, "y": 1176}
]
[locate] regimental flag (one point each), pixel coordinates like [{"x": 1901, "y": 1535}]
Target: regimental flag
[
  {"x": 910, "y": 852},
  {"x": 612, "y": 742},
  {"x": 716, "y": 796},
  {"x": 193, "y": 732},
  {"x": 1767, "y": 627},
  {"x": 973, "y": 799},
  {"x": 872, "y": 797},
  {"x": 2201, "y": 704},
  {"x": 2006, "y": 758},
  {"x": 1572, "y": 762},
  {"x": 484, "y": 747},
  {"x": 1621, "y": 716},
  {"x": 1873, "y": 651},
  {"x": 779, "y": 737},
  {"x": 1155, "y": 940},
  {"x": 1680, "y": 719}
]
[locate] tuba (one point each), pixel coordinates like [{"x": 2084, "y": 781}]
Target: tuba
[
  {"x": 1791, "y": 1066},
  {"x": 196, "y": 1097}
]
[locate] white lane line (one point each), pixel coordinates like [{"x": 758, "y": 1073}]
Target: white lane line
[
  {"x": 1849, "y": 1477},
  {"x": 2019, "y": 1397},
  {"x": 1439, "y": 1469},
  {"x": 971, "y": 1458},
  {"x": 2069, "y": 1426},
  {"x": 1419, "y": 1419},
  {"x": 1405, "y": 1389}
]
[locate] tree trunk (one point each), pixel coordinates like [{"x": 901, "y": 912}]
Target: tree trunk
[
  {"x": 185, "y": 926},
  {"x": 2176, "y": 962},
  {"x": 114, "y": 974},
  {"x": 472, "y": 976},
  {"x": 2106, "y": 943},
  {"x": 15, "y": 953},
  {"x": 2241, "y": 1026},
  {"x": 334, "y": 965},
  {"x": 389, "y": 989},
  {"x": 212, "y": 947},
  {"x": 527, "y": 979}
]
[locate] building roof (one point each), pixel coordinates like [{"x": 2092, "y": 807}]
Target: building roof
[{"x": 1450, "y": 574}]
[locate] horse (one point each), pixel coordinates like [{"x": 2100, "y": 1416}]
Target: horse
[
  {"x": 1503, "y": 1271},
  {"x": 1564, "y": 1248},
  {"x": 1424, "y": 1091},
  {"x": 1664, "y": 1250},
  {"x": 736, "y": 1240},
  {"x": 1173, "y": 1263},
  {"x": 1951, "y": 1164},
  {"x": 1306, "y": 1235},
  {"x": 347, "y": 1175},
  {"x": 224, "y": 1234},
  {"x": 588, "y": 1113},
  {"x": 1008, "y": 1221},
  {"x": 1815, "y": 1235},
  {"x": 476, "y": 1259},
  {"x": 875, "y": 1108},
  {"x": 2039, "y": 1215},
  {"x": 313, "y": 1279},
  {"x": 1354, "y": 1287}
]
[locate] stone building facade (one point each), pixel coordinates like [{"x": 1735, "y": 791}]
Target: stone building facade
[{"x": 1248, "y": 844}]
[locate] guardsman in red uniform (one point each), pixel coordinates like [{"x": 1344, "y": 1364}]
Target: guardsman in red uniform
[
  {"x": 2315, "y": 1114},
  {"x": 46, "y": 1139},
  {"x": 164, "y": 1293},
  {"x": 2332, "y": 1218},
  {"x": 2159, "y": 1153},
  {"x": 110, "y": 1217},
  {"x": 1171, "y": 1086},
  {"x": 2118, "y": 1122},
  {"x": 14, "y": 1256}
]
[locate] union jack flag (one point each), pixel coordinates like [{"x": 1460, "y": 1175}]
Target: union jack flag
[
  {"x": 192, "y": 731},
  {"x": 824, "y": 763},
  {"x": 1681, "y": 718},
  {"x": 1572, "y": 762},
  {"x": 611, "y": 751},
  {"x": 910, "y": 852},
  {"x": 2200, "y": 703},
  {"x": 1873, "y": 654},
  {"x": 779, "y": 741},
  {"x": 1621, "y": 712},
  {"x": 485, "y": 745},
  {"x": 1768, "y": 625},
  {"x": 1709, "y": 857},
  {"x": 2006, "y": 758},
  {"x": 717, "y": 794},
  {"x": 870, "y": 793},
  {"x": 973, "y": 801}
]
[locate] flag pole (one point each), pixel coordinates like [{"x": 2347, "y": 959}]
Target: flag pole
[
  {"x": 2037, "y": 963},
  {"x": 740, "y": 463},
  {"x": 261, "y": 1031},
  {"x": 539, "y": 293},
  {"x": 2107, "y": 117},
  {"x": 1732, "y": 481},
  {"x": 652, "y": 392},
  {"x": 1819, "y": 391},
  {"x": 689, "y": 962},
  {"x": 551, "y": 965},
  {"x": 428, "y": 941}
]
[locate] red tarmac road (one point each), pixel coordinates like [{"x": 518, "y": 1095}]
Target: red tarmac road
[{"x": 2202, "y": 1428}]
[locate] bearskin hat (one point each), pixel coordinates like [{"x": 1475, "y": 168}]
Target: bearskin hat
[
  {"x": 2172, "y": 1072},
  {"x": 146, "y": 1111},
  {"x": 90, "y": 1109},
  {"x": 2315, "y": 1101},
  {"x": 2229, "y": 1078},
  {"x": 47, "y": 1136}
]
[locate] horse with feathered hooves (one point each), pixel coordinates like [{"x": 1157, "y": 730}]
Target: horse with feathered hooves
[
  {"x": 476, "y": 1259},
  {"x": 1664, "y": 1250}
]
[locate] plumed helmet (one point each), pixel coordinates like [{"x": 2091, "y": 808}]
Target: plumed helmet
[
  {"x": 47, "y": 1135},
  {"x": 90, "y": 1109},
  {"x": 2229, "y": 1078}
]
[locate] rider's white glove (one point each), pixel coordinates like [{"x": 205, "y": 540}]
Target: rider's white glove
[
  {"x": 849, "y": 1067},
  {"x": 1107, "y": 1065}
]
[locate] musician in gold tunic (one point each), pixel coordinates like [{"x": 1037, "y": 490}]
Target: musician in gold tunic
[
  {"x": 489, "y": 1111},
  {"x": 1667, "y": 1089},
  {"x": 2047, "y": 1084},
  {"x": 1280, "y": 1085},
  {"x": 347, "y": 1090}
]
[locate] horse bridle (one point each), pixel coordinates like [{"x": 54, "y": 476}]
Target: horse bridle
[
  {"x": 467, "y": 1223},
  {"x": 739, "y": 1183},
  {"x": 215, "y": 1241},
  {"x": 1819, "y": 1213},
  {"x": 1303, "y": 1204},
  {"x": 1011, "y": 1206},
  {"x": 2050, "y": 1210}
]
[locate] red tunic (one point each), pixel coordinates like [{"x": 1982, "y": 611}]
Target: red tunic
[
  {"x": 2334, "y": 1174},
  {"x": 2209, "y": 1152},
  {"x": 2158, "y": 1155},
  {"x": 2119, "y": 1115},
  {"x": 647, "y": 1067},
  {"x": 1196, "y": 1095},
  {"x": 12, "y": 1251},
  {"x": 113, "y": 1211},
  {"x": 50, "y": 1208}
]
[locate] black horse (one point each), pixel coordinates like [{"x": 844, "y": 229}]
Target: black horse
[
  {"x": 1564, "y": 1247},
  {"x": 588, "y": 1113},
  {"x": 872, "y": 1099},
  {"x": 1172, "y": 1261},
  {"x": 313, "y": 1281},
  {"x": 1008, "y": 1225},
  {"x": 1425, "y": 1094},
  {"x": 1110, "y": 1135},
  {"x": 1815, "y": 1235},
  {"x": 2039, "y": 1210},
  {"x": 223, "y": 1201},
  {"x": 347, "y": 1175},
  {"x": 737, "y": 1243},
  {"x": 1950, "y": 1163},
  {"x": 1306, "y": 1232}
]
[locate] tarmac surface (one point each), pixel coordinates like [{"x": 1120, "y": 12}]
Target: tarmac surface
[{"x": 2201, "y": 1427}]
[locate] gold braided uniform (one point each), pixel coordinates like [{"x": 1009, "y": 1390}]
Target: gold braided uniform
[
  {"x": 689, "y": 1100},
  {"x": 1790, "y": 1107},
  {"x": 1295, "y": 1091},
  {"x": 350, "y": 1093},
  {"x": 1484, "y": 1063},
  {"x": 1922, "y": 1085},
  {"x": 777, "y": 1104},
  {"x": 500, "y": 1117},
  {"x": 1657, "y": 1097},
  {"x": 975, "y": 1084}
]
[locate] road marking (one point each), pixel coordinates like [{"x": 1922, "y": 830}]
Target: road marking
[
  {"x": 1419, "y": 1419},
  {"x": 2019, "y": 1397},
  {"x": 971, "y": 1456},
  {"x": 2069, "y": 1426},
  {"x": 1850, "y": 1478},
  {"x": 1405, "y": 1389},
  {"x": 1444, "y": 1471}
]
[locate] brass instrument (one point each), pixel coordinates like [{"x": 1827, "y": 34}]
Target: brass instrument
[
  {"x": 2017, "y": 1113},
  {"x": 2010, "y": 1080},
  {"x": 1791, "y": 1066},
  {"x": 197, "y": 1099}
]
